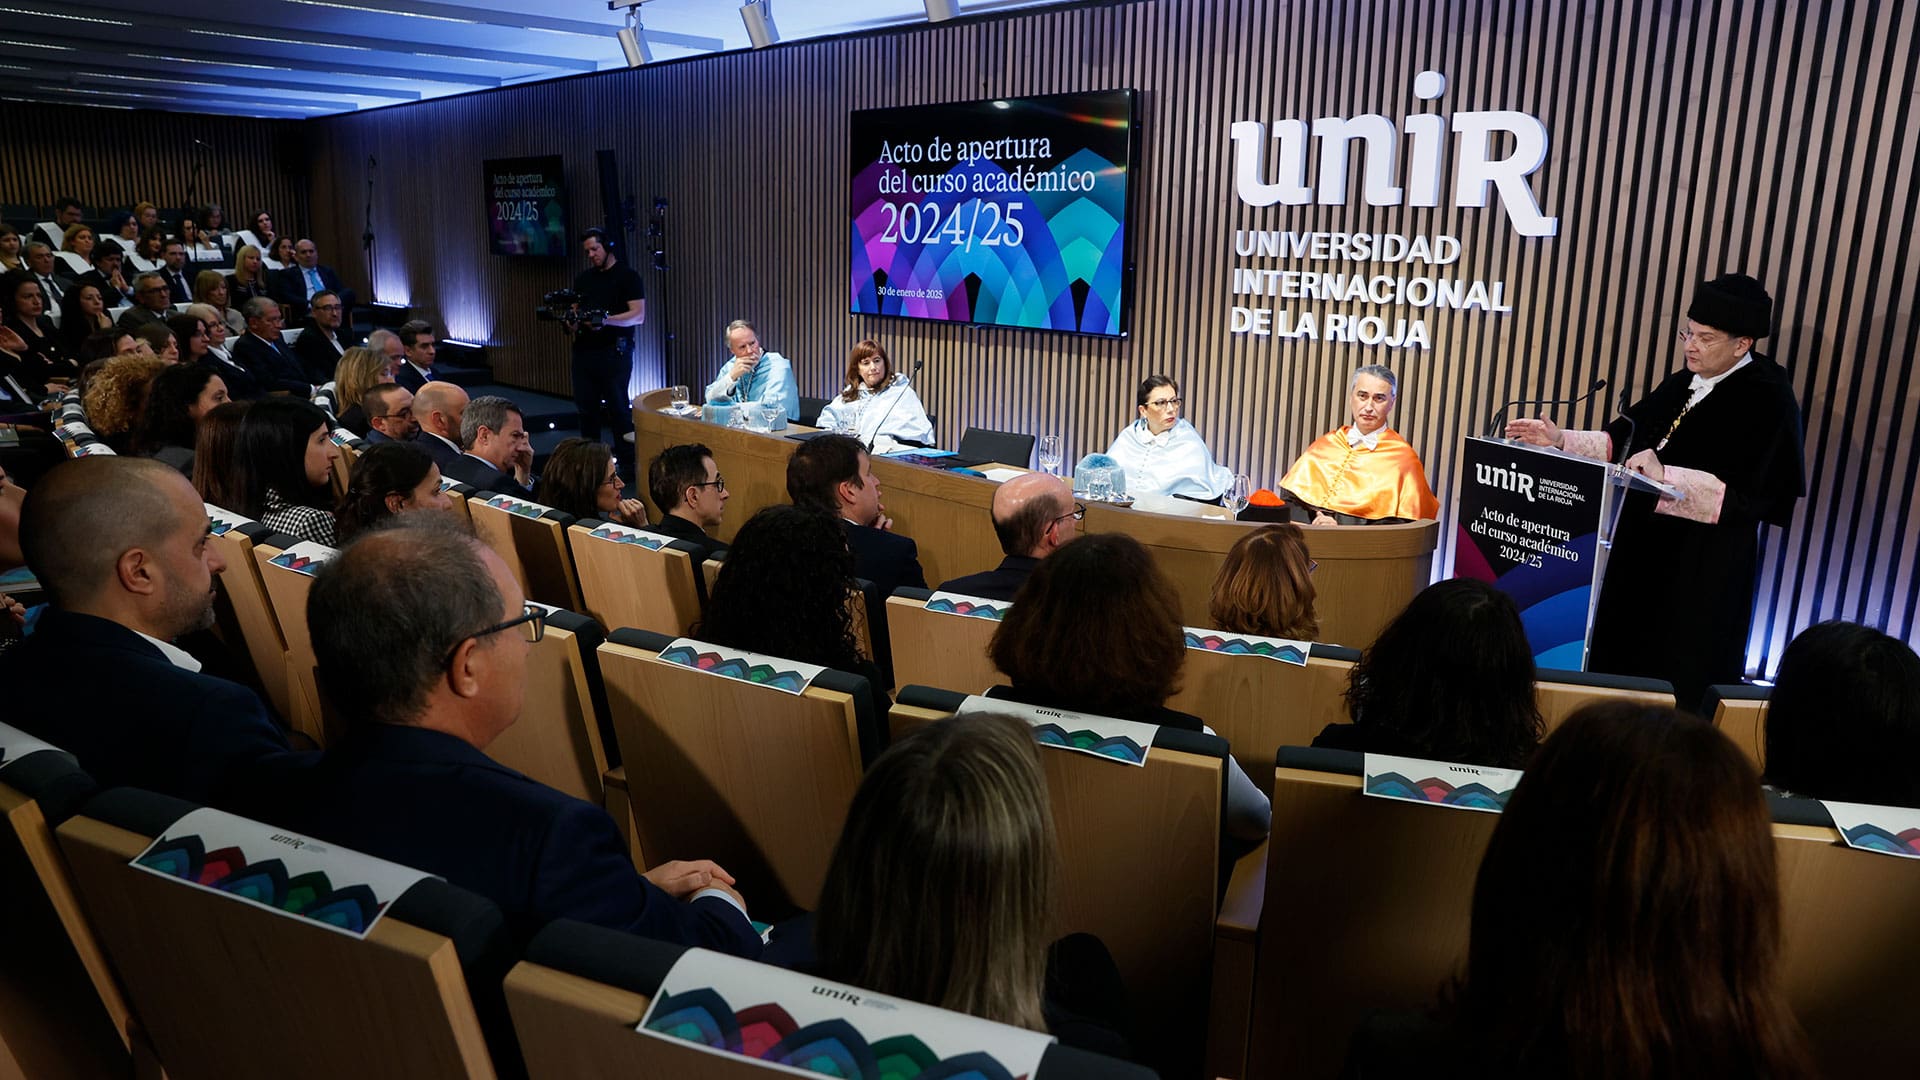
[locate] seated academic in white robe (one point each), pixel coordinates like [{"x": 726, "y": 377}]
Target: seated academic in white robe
[
  {"x": 1163, "y": 454},
  {"x": 879, "y": 399}
]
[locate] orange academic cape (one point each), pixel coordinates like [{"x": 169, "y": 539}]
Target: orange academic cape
[{"x": 1386, "y": 482}]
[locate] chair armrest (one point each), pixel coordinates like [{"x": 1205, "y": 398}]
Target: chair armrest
[
  {"x": 1246, "y": 895},
  {"x": 1235, "y": 951}
]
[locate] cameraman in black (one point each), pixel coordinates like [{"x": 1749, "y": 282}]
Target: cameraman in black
[{"x": 603, "y": 354}]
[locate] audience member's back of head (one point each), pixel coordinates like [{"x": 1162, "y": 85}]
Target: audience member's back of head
[
  {"x": 1626, "y": 918},
  {"x": 1265, "y": 586},
  {"x": 673, "y": 471},
  {"x": 572, "y": 478},
  {"x": 940, "y": 887},
  {"x": 818, "y": 468},
  {"x": 215, "y": 473},
  {"x": 1452, "y": 677},
  {"x": 167, "y": 419},
  {"x": 1096, "y": 628},
  {"x": 783, "y": 590},
  {"x": 384, "y": 483},
  {"x": 388, "y": 610},
  {"x": 84, "y": 514},
  {"x": 271, "y": 454},
  {"x": 117, "y": 393},
  {"x": 1843, "y": 721}
]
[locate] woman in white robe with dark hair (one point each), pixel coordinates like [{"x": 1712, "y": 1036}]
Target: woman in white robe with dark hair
[{"x": 1162, "y": 454}]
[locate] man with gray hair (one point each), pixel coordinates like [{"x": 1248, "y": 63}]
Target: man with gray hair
[
  {"x": 754, "y": 374},
  {"x": 422, "y": 636},
  {"x": 1363, "y": 472},
  {"x": 264, "y": 355},
  {"x": 123, "y": 548},
  {"x": 497, "y": 455},
  {"x": 48, "y": 271},
  {"x": 152, "y": 303}
]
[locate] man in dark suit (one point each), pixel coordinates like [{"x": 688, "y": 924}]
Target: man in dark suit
[
  {"x": 105, "y": 276},
  {"x": 687, "y": 487},
  {"x": 261, "y": 351},
  {"x": 324, "y": 339},
  {"x": 421, "y": 635},
  {"x": 1033, "y": 515},
  {"x": 418, "y": 349},
  {"x": 51, "y": 273},
  {"x": 498, "y": 456},
  {"x": 389, "y": 411},
  {"x": 174, "y": 270},
  {"x": 297, "y": 285},
  {"x": 150, "y": 304},
  {"x": 834, "y": 473},
  {"x": 439, "y": 407},
  {"x": 121, "y": 544}
]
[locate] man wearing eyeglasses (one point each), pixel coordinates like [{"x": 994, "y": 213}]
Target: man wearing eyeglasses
[
  {"x": 1725, "y": 429},
  {"x": 422, "y": 638},
  {"x": 389, "y": 411},
  {"x": 324, "y": 339},
  {"x": 1162, "y": 454},
  {"x": 1362, "y": 472},
  {"x": 692, "y": 496},
  {"x": 1034, "y": 515},
  {"x": 151, "y": 303}
]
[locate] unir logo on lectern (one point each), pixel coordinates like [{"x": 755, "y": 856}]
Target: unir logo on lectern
[
  {"x": 1473, "y": 170},
  {"x": 1507, "y": 479}
]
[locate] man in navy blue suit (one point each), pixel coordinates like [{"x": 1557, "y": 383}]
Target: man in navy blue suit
[
  {"x": 422, "y": 635},
  {"x": 1033, "y": 515},
  {"x": 297, "y": 285},
  {"x": 439, "y": 407},
  {"x": 497, "y": 455},
  {"x": 834, "y": 473},
  {"x": 122, "y": 546},
  {"x": 265, "y": 356}
]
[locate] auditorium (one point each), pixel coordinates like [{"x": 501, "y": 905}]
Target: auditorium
[{"x": 607, "y": 540}]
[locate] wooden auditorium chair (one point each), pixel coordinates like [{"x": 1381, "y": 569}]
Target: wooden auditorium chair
[
  {"x": 939, "y": 648},
  {"x": 227, "y": 987},
  {"x": 1140, "y": 862},
  {"x": 350, "y": 447},
  {"x": 245, "y": 613},
  {"x": 632, "y": 577},
  {"x": 559, "y": 739},
  {"x": 1259, "y": 704},
  {"x": 1560, "y": 693},
  {"x": 752, "y": 777},
  {"x": 458, "y": 493},
  {"x": 286, "y": 572},
  {"x": 532, "y": 540},
  {"x": 1740, "y": 712},
  {"x": 62, "y": 1012},
  {"x": 582, "y": 990}
]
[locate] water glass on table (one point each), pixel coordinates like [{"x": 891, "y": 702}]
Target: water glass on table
[
  {"x": 1049, "y": 457},
  {"x": 1099, "y": 484},
  {"x": 1242, "y": 491},
  {"x": 677, "y": 396}
]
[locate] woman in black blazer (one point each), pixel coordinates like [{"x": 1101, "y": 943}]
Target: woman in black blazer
[{"x": 44, "y": 359}]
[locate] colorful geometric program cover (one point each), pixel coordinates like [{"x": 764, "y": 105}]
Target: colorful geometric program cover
[
  {"x": 1125, "y": 741},
  {"x": 16, "y": 744},
  {"x": 1442, "y": 783},
  {"x": 973, "y": 607},
  {"x": 225, "y": 521},
  {"x": 798, "y": 1024},
  {"x": 521, "y": 507},
  {"x": 342, "y": 437},
  {"x": 304, "y": 557},
  {"x": 1887, "y": 830},
  {"x": 787, "y": 676},
  {"x": 620, "y": 534},
  {"x": 1273, "y": 648},
  {"x": 277, "y": 870}
]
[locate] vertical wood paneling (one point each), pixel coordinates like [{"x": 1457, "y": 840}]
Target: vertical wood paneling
[{"x": 1687, "y": 138}]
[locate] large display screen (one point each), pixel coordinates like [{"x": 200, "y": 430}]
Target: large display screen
[
  {"x": 1006, "y": 212},
  {"x": 526, "y": 207}
]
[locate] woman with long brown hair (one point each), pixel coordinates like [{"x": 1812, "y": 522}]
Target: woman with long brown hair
[
  {"x": 1626, "y": 919},
  {"x": 215, "y": 475},
  {"x": 1265, "y": 586},
  {"x": 877, "y": 400}
]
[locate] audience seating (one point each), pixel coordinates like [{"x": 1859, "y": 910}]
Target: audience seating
[
  {"x": 287, "y": 591},
  {"x": 250, "y": 610},
  {"x": 710, "y": 571},
  {"x": 1003, "y": 447},
  {"x": 558, "y": 739},
  {"x": 62, "y": 1013},
  {"x": 1560, "y": 693},
  {"x": 350, "y": 447},
  {"x": 458, "y": 493},
  {"x": 582, "y": 990},
  {"x": 933, "y": 648},
  {"x": 628, "y": 584},
  {"x": 1140, "y": 860},
  {"x": 1259, "y": 704},
  {"x": 534, "y": 548},
  {"x": 810, "y": 410},
  {"x": 1740, "y": 711},
  {"x": 754, "y": 778},
  {"x": 228, "y": 988}
]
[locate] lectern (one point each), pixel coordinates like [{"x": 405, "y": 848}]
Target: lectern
[{"x": 1537, "y": 524}]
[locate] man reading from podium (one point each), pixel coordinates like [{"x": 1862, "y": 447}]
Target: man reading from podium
[
  {"x": 1364, "y": 472},
  {"x": 1163, "y": 454},
  {"x": 1726, "y": 431}
]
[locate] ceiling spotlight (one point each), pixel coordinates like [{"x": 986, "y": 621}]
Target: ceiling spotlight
[
  {"x": 758, "y": 17},
  {"x": 633, "y": 36},
  {"x": 942, "y": 10}
]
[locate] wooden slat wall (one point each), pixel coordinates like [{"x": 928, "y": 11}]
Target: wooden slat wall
[
  {"x": 1687, "y": 138},
  {"x": 118, "y": 157}
]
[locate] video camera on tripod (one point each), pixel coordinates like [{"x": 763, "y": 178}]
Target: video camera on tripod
[{"x": 563, "y": 306}]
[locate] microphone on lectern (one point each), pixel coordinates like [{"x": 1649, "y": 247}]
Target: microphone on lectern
[
  {"x": 1500, "y": 418},
  {"x": 917, "y": 365},
  {"x": 1626, "y": 446}
]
